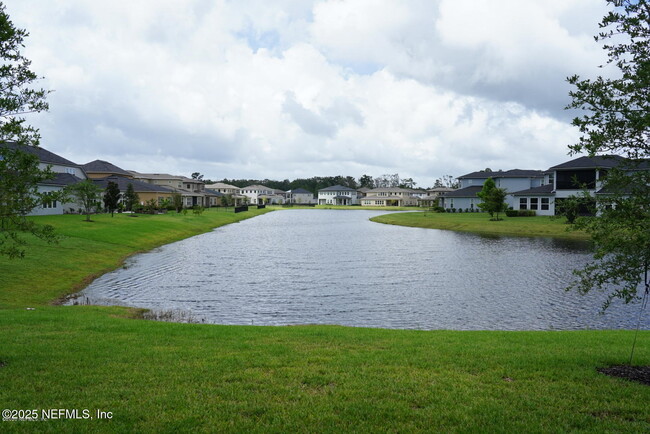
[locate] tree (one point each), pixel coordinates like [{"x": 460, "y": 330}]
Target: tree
[
  {"x": 226, "y": 200},
  {"x": 615, "y": 119},
  {"x": 492, "y": 199},
  {"x": 407, "y": 183},
  {"x": 112, "y": 197},
  {"x": 86, "y": 193},
  {"x": 197, "y": 176},
  {"x": 20, "y": 172},
  {"x": 177, "y": 202},
  {"x": 131, "y": 198},
  {"x": 447, "y": 181},
  {"x": 366, "y": 181},
  {"x": 573, "y": 206},
  {"x": 387, "y": 181}
]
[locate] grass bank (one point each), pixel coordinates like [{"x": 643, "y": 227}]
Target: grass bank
[
  {"x": 87, "y": 250},
  {"x": 368, "y": 208},
  {"x": 480, "y": 223},
  {"x": 168, "y": 377},
  {"x": 153, "y": 376}
]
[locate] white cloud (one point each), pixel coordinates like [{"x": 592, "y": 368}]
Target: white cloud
[{"x": 299, "y": 89}]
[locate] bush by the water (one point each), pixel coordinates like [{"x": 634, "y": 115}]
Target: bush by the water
[{"x": 520, "y": 213}]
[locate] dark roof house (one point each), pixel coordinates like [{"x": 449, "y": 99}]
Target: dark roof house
[{"x": 101, "y": 169}]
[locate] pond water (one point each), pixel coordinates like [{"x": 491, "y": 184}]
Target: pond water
[{"x": 337, "y": 267}]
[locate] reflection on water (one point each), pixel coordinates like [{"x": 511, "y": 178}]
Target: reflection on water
[{"x": 336, "y": 267}]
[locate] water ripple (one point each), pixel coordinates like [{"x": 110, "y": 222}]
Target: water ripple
[{"x": 336, "y": 267}]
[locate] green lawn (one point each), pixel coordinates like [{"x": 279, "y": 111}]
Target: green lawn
[
  {"x": 369, "y": 208},
  {"x": 87, "y": 250},
  {"x": 481, "y": 223},
  {"x": 181, "y": 377},
  {"x": 155, "y": 376}
]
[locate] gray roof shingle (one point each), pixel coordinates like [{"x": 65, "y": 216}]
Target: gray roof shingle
[
  {"x": 514, "y": 173},
  {"x": 542, "y": 190},
  {"x": 138, "y": 186},
  {"x": 464, "y": 192},
  {"x": 43, "y": 155},
  {"x": 337, "y": 188},
  {"x": 101, "y": 166},
  {"x": 62, "y": 179}
]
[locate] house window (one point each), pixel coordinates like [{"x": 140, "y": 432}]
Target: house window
[
  {"x": 576, "y": 179},
  {"x": 48, "y": 202},
  {"x": 69, "y": 170},
  {"x": 533, "y": 203},
  {"x": 523, "y": 203},
  {"x": 545, "y": 204}
]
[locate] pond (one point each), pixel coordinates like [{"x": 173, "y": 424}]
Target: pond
[{"x": 337, "y": 267}]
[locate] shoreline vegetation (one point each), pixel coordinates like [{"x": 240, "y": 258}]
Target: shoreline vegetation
[
  {"x": 479, "y": 223},
  {"x": 158, "y": 376}
]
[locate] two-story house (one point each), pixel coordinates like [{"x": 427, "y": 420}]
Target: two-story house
[
  {"x": 65, "y": 173},
  {"x": 511, "y": 180},
  {"x": 572, "y": 178},
  {"x": 227, "y": 190},
  {"x": 191, "y": 190},
  {"x": 300, "y": 196},
  {"x": 258, "y": 194},
  {"x": 390, "y": 196},
  {"x": 337, "y": 195}
]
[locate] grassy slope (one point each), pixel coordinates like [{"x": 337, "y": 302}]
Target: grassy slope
[
  {"x": 159, "y": 376},
  {"x": 167, "y": 377},
  {"x": 480, "y": 223},
  {"x": 87, "y": 250}
]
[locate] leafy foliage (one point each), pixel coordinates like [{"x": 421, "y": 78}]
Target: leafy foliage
[
  {"x": 177, "y": 202},
  {"x": 131, "y": 198},
  {"x": 112, "y": 197},
  {"x": 492, "y": 199},
  {"x": 446, "y": 181},
  {"x": 20, "y": 172},
  {"x": 616, "y": 119},
  {"x": 87, "y": 194}
]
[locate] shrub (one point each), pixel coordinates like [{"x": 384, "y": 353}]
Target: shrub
[{"x": 520, "y": 213}]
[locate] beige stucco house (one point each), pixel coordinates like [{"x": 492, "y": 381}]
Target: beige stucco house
[{"x": 392, "y": 196}]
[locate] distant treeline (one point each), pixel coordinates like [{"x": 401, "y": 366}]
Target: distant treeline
[
  {"x": 319, "y": 182},
  {"x": 311, "y": 184}
]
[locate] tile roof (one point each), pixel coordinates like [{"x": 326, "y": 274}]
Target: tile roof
[
  {"x": 513, "y": 173},
  {"x": 154, "y": 175},
  {"x": 43, "y": 155},
  {"x": 591, "y": 162},
  {"x": 211, "y": 192},
  {"x": 101, "y": 166},
  {"x": 464, "y": 192},
  {"x": 337, "y": 188},
  {"x": 543, "y": 190},
  {"x": 390, "y": 190},
  {"x": 62, "y": 179},
  {"x": 221, "y": 185},
  {"x": 138, "y": 186},
  {"x": 257, "y": 187}
]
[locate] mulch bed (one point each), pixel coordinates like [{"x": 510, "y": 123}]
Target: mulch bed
[{"x": 640, "y": 374}]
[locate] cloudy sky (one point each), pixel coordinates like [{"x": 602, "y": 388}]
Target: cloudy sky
[{"x": 297, "y": 88}]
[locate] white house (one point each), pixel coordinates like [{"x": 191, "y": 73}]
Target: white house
[
  {"x": 300, "y": 196},
  {"x": 512, "y": 181},
  {"x": 258, "y": 194},
  {"x": 66, "y": 173},
  {"x": 337, "y": 195}
]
